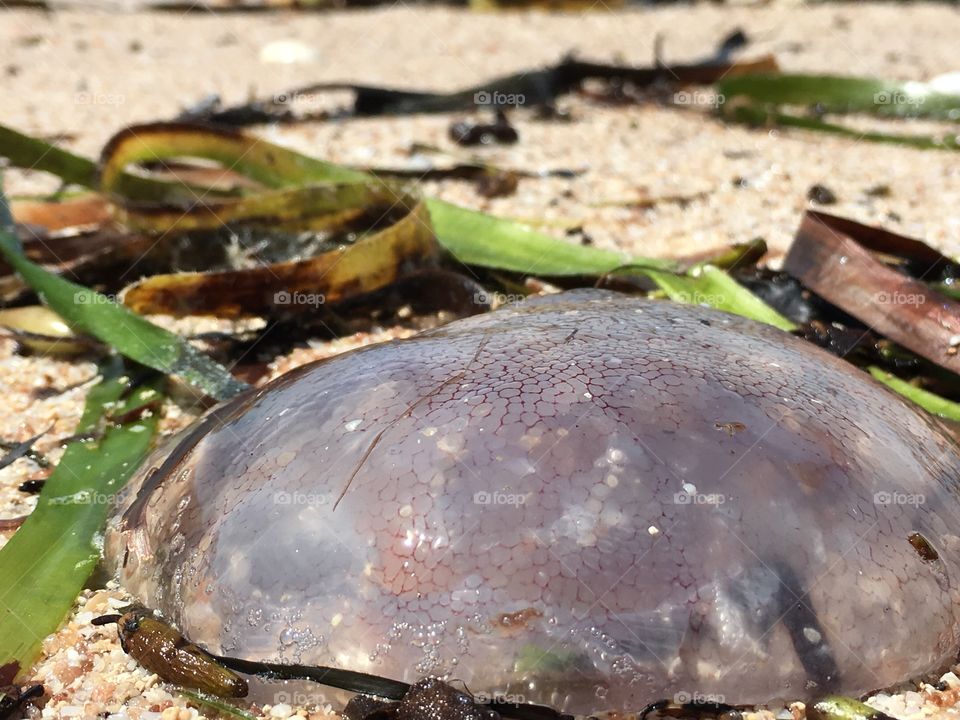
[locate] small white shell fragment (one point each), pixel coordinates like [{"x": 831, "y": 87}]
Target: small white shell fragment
[{"x": 287, "y": 52}]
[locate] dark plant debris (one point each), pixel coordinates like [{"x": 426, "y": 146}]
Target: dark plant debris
[
  {"x": 33, "y": 486},
  {"x": 17, "y": 450},
  {"x": 456, "y": 167},
  {"x": 698, "y": 710},
  {"x": 841, "y": 261},
  {"x": 498, "y": 184},
  {"x": 540, "y": 87},
  {"x": 162, "y": 650},
  {"x": 14, "y": 697},
  {"x": 499, "y": 132},
  {"x": 821, "y": 194},
  {"x": 923, "y": 547}
]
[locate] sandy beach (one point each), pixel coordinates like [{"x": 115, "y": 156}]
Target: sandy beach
[{"x": 651, "y": 180}]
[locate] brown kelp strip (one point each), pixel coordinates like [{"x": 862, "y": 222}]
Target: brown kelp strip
[
  {"x": 835, "y": 258},
  {"x": 537, "y": 86}
]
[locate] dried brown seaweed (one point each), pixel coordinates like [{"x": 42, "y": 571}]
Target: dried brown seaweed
[
  {"x": 534, "y": 87},
  {"x": 837, "y": 259}
]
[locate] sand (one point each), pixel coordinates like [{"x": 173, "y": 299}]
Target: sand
[{"x": 83, "y": 74}]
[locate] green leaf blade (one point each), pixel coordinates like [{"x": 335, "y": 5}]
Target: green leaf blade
[
  {"x": 47, "y": 561},
  {"x": 924, "y": 398},
  {"x": 131, "y": 335},
  {"x": 475, "y": 238},
  {"x": 843, "y": 94},
  {"x": 714, "y": 287}
]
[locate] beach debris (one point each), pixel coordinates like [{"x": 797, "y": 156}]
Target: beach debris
[
  {"x": 154, "y": 203},
  {"x": 32, "y": 486},
  {"x": 14, "y": 697},
  {"x": 17, "y": 450},
  {"x": 534, "y": 87},
  {"x": 837, "y": 707},
  {"x": 821, "y": 194},
  {"x": 498, "y": 184},
  {"x": 162, "y": 650},
  {"x": 38, "y": 329},
  {"x": 811, "y": 102},
  {"x": 840, "y": 260},
  {"x": 500, "y": 131}
]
